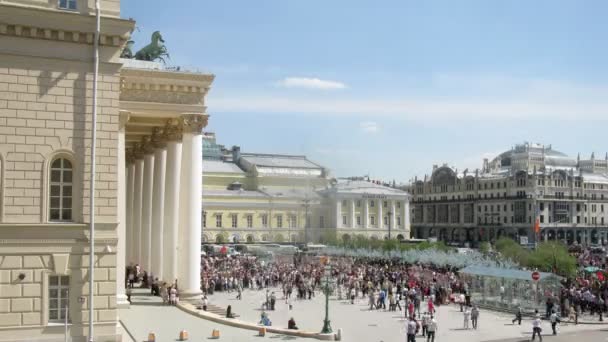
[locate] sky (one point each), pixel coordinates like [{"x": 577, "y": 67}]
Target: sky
[{"x": 388, "y": 88}]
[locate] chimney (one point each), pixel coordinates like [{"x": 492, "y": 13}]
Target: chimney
[{"x": 236, "y": 154}]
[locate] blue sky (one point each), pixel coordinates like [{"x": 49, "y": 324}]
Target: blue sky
[{"x": 389, "y": 88}]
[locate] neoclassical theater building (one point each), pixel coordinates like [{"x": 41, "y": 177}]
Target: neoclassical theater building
[
  {"x": 529, "y": 182},
  {"x": 258, "y": 197},
  {"x": 148, "y": 169}
]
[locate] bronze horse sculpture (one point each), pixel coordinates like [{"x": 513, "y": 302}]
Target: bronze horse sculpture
[{"x": 153, "y": 51}]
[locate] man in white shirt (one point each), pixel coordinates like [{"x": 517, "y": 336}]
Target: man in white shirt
[
  {"x": 536, "y": 329},
  {"x": 431, "y": 329},
  {"x": 411, "y": 328}
]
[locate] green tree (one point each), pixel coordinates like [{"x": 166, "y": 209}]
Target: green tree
[
  {"x": 510, "y": 249},
  {"x": 329, "y": 238},
  {"x": 553, "y": 257},
  {"x": 485, "y": 247},
  {"x": 389, "y": 245}
]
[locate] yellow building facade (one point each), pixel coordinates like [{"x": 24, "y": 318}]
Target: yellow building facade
[{"x": 254, "y": 197}]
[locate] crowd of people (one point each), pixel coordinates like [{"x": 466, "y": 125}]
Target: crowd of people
[{"x": 416, "y": 290}]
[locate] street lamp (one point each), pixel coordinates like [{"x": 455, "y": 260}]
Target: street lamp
[
  {"x": 390, "y": 214},
  {"x": 326, "y": 287},
  {"x": 306, "y": 205}
]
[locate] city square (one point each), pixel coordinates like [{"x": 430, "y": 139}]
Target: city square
[{"x": 316, "y": 170}]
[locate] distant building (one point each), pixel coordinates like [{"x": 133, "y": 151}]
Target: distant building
[
  {"x": 568, "y": 195},
  {"x": 252, "y": 197}
]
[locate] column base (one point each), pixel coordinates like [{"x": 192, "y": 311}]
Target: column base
[
  {"x": 122, "y": 302},
  {"x": 190, "y": 296}
]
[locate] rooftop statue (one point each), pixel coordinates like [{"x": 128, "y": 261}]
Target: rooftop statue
[
  {"x": 153, "y": 51},
  {"x": 127, "y": 52}
]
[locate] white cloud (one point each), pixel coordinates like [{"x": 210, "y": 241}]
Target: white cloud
[
  {"x": 310, "y": 83},
  {"x": 451, "y": 97},
  {"x": 370, "y": 127}
]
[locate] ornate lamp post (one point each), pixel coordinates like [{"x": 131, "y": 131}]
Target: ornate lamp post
[
  {"x": 327, "y": 287},
  {"x": 390, "y": 214}
]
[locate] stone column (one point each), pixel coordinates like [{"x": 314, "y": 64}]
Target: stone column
[
  {"x": 121, "y": 229},
  {"x": 146, "y": 211},
  {"x": 171, "y": 207},
  {"x": 338, "y": 213},
  {"x": 353, "y": 218},
  {"x": 137, "y": 209},
  {"x": 158, "y": 198},
  {"x": 130, "y": 224},
  {"x": 380, "y": 214},
  {"x": 365, "y": 213},
  {"x": 191, "y": 207}
]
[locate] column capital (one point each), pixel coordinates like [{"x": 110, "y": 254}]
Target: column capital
[
  {"x": 158, "y": 138},
  {"x": 147, "y": 145},
  {"x": 194, "y": 122},
  {"x": 173, "y": 130},
  {"x": 136, "y": 152}
]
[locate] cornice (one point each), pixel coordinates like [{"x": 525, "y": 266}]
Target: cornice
[
  {"x": 59, "y": 35},
  {"x": 61, "y": 26}
]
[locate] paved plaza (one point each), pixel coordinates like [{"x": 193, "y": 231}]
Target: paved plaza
[
  {"x": 148, "y": 314},
  {"x": 361, "y": 324}
]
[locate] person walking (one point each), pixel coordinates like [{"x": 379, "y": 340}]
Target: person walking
[
  {"x": 467, "y": 317},
  {"x": 462, "y": 300},
  {"x": 474, "y": 316},
  {"x": 425, "y": 323},
  {"x": 536, "y": 328},
  {"x": 431, "y": 329},
  {"x": 554, "y": 320},
  {"x": 518, "y": 315},
  {"x": 239, "y": 290},
  {"x": 411, "y": 328}
]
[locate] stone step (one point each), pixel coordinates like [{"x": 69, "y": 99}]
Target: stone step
[{"x": 218, "y": 310}]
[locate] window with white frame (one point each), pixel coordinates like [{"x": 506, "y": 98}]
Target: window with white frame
[
  {"x": 371, "y": 204},
  {"x": 358, "y": 220},
  {"x": 235, "y": 220},
  {"x": 249, "y": 221},
  {"x": 372, "y": 220},
  {"x": 398, "y": 205},
  {"x": 279, "y": 221},
  {"x": 264, "y": 220},
  {"x": 344, "y": 219},
  {"x": 218, "y": 220},
  {"x": 60, "y": 208},
  {"x": 293, "y": 220},
  {"x": 386, "y": 220},
  {"x": 398, "y": 221},
  {"x": 59, "y": 287},
  {"x": 321, "y": 222},
  {"x": 67, "y": 4},
  {"x": 204, "y": 219}
]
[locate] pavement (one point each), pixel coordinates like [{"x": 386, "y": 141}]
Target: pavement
[
  {"x": 147, "y": 314},
  {"x": 361, "y": 324},
  {"x": 358, "y": 323}
]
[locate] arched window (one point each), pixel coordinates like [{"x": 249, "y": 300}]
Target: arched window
[{"x": 60, "y": 208}]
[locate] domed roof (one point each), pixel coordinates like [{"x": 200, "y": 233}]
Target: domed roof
[{"x": 552, "y": 158}]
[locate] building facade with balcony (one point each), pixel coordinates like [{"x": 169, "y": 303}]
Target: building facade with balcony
[{"x": 568, "y": 196}]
